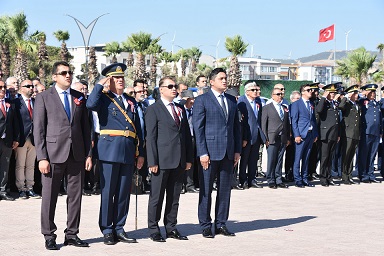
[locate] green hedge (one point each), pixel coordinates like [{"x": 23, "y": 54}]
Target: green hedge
[{"x": 266, "y": 87}]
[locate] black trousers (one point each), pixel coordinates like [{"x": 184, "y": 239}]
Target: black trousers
[
  {"x": 348, "y": 151},
  {"x": 327, "y": 149},
  {"x": 314, "y": 157},
  {"x": 249, "y": 157},
  {"x": 169, "y": 181}
]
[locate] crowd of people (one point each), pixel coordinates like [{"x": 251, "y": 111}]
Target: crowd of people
[{"x": 119, "y": 139}]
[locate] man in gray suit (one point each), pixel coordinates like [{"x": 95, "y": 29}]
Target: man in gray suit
[
  {"x": 63, "y": 148},
  {"x": 275, "y": 126}
]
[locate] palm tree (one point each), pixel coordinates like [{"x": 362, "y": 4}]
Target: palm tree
[
  {"x": 154, "y": 50},
  {"x": 5, "y": 41},
  {"x": 195, "y": 54},
  {"x": 63, "y": 36},
  {"x": 237, "y": 47},
  {"x": 175, "y": 59},
  {"x": 140, "y": 42},
  {"x": 127, "y": 48},
  {"x": 93, "y": 73},
  {"x": 42, "y": 54},
  {"x": 112, "y": 49},
  {"x": 22, "y": 43},
  {"x": 167, "y": 58},
  {"x": 356, "y": 65},
  {"x": 184, "y": 55}
]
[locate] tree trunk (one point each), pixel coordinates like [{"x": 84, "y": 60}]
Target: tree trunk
[
  {"x": 234, "y": 74},
  {"x": 130, "y": 60},
  {"x": 20, "y": 71},
  {"x": 153, "y": 75},
  {"x": 5, "y": 61}
]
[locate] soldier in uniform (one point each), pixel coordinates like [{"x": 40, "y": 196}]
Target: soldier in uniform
[
  {"x": 120, "y": 140},
  {"x": 350, "y": 131},
  {"x": 371, "y": 130},
  {"x": 329, "y": 131}
]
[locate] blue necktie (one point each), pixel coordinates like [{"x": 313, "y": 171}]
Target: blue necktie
[
  {"x": 281, "y": 112},
  {"x": 255, "y": 109},
  {"x": 66, "y": 105},
  {"x": 309, "y": 107},
  {"x": 223, "y": 106}
]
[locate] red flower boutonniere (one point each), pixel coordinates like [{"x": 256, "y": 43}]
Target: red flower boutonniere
[
  {"x": 7, "y": 105},
  {"x": 179, "y": 111},
  {"x": 78, "y": 101},
  {"x": 366, "y": 102},
  {"x": 312, "y": 107},
  {"x": 130, "y": 103},
  {"x": 257, "y": 106},
  {"x": 286, "y": 110}
]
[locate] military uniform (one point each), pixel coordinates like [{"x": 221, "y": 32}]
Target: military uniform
[
  {"x": 314, "y": 156},
  {"x": 117, "y": 146},
  {"x": 349, "y": 133},
  {"x": 371, "y": 130},
  {"x": 329, "y": 134}
]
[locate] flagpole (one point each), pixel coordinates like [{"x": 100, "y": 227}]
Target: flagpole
[{"x": 334, "y": 53}]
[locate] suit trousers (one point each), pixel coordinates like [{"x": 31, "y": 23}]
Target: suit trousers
[
  {"x": 188, "y": 177},
  {"x": 249, "y": 157},
  {"x": 302, "y": 152},
  {"x": 25, "y": 166},
  {"x": 115, "y": 185},
  {"x": 275, "y": 161},
  {"x": 289, "y": 159},
  {"x": 314, "y": 157},
  {"x": 74, "y": 172},
  {"x": 380, "y": 159},
  {"x": 348, "y": 150},
  {"x": 327, "y": 149},
  {"x": 223, "y": 170},
  {"x": 368, "y": 148},
  {"x": 169, "y": 182},
  {"x": 5, "y": 157}
]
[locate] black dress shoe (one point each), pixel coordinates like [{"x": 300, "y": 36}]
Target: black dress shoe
[
  {"x": 192, "y": 190},
  {"x": 207, "y": 233},
  {"x": 32, "y": 194},
  {"x": 347, "y": 182},
  {"x": 308, "y": 184},
  {"x": 282, "y": 185},
  {"x": 109, "y": 239},
  {"x": 122, "y": 237},
  {"x": 76, "y": 241},
  {"x": 272, "y": 185},
  {"x": 224, "y": 231},
  {"x": 182, "y": 190},
  {"x": 23, "y": 195},
  {"x": 299, "y": 185},
  {"x": 156, "y": 237},
  {"x": 375, "y": 181},
  {"x": 238, "y": 187},
  {"x": 176, "y": 235},
  {"x": 352, "y": 181},
  {"x": 255, "y": 185},
  {"x": 244, "y": 185},
  {"x": 332, "y": 183},
  {"x": 86, "y": 193},
  {"x": 50, "y": 244},
  {"x": 6, "y": 197},
  {"x": 315, "y": 176},
  {"x": 261, "y": 174},
  {"x": 324, "y": 184},
  {"x": 366, "y": 181}
]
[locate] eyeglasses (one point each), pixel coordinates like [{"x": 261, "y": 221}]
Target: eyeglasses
[
  {"x": 309, "y": 90},
  {"x": 170, "y": 86},
  {"x": 3, "y": 87},
  {"x": 281, "y": 89},
  {"x": 254, "y": 90},
  {"x": 140, "y": 91},
  {"x": 29, "y": 86},
  {"x": 130, "y": 93},
  {"x": 64, "y": 73},
  {"x": 278, "y": 94}
]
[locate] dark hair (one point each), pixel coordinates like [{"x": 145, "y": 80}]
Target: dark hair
[
  {"x": 59, "y": 63},
  {"x": 198, "y": 77},
  {"x": 156, "y": 93},
  {"x": 165, "y": 78},
  {"x": 138, "y": 81},
  {"x": 84, "y": 82},
  {"x": 178, "y": 85},
  {"x": 215, "y": 72},
  {"x": 302, "y": 87}
]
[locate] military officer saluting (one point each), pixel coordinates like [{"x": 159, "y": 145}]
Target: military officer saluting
[
  {"x": 119, "y": 143},
  {"x": 371, "y": 131},
  {"x": 329, "y": 131},
  {"x": 350, "y": 131}
]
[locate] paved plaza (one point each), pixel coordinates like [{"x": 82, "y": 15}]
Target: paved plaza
[{"x": 345, "y": 220}]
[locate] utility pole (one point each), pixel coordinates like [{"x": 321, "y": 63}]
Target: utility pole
[{"x": 346, "y": 40}]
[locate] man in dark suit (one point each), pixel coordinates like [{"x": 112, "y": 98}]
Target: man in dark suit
[
  {"x": 250, "y": 108},
  {"x": 25, "y": 152},
  {"x": 350, "y": 131},
  {"x": 275, "y": 126},
  {"x": 218, "y": 142},
  {"x": 9, "y": 139},
  {"x": 119, "y": 143},
  {"x": 370, "y": 133},
  {"x": 170, "y": 153},
  {"x": 63, "y": 147},
  {"x": 305, "y": 132},
  {"x": 329, "y": 132}
]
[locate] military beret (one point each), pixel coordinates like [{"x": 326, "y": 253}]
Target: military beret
[
  {"x": 369, "y": 87},
  {"x": 352, "y": 88},
  {"x": 115, "y": 69}
]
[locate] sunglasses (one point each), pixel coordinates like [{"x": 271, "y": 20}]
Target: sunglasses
[
  {"x": 28, "y": 86},
  {"x": 140, "y": 91},
  {"x": 170, "y": 86},
  {"x": 278, "y": 94},
  {"x": 64, "y": 73},
  {"x": 254, "y": 90},
  {"x": 309, "y": 90},
  {"x": 3, "y": 87}
]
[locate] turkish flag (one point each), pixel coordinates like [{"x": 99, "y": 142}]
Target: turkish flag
[{"x": 327, "y": 34}]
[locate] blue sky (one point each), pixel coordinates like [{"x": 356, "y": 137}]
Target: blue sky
[{"x": 275, "y": 28}]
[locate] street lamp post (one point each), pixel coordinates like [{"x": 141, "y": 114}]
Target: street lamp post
[{"x": 346, "y": 40}]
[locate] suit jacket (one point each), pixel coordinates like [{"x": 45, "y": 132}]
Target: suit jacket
[
  {"x": 252, "y": 131},
  {"x": 272, "y": 125},
  {"x": 371, "y": 122},
  {"x": 302, "y": 119},
  {"x": 55, "y": 136},
  {"x": 9, "y": 124},
  {"x": 350, "y": 124},
  {"x": 168, "y": 145},
  {"x": 214, "y": 134},
  {"x": 25, "y": 121},
  {"x": 328, "y": 120},
  {"x": 116, "y": 149}
]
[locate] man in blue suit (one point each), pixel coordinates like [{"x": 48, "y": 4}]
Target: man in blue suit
[
  {"x": 120, "y": 140},
  {"x": 305, "y": 133},
  {"x": 218, "y": 142},
  {"x": 250, "y": 108}
]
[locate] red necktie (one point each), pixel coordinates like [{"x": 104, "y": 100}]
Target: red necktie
[
  {"x": 29, "y": 108},
  {"x": 175, "y": 116},
  {"x": 2, "y": 108}
]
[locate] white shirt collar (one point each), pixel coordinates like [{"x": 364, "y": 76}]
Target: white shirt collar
[
  {"x": 59, "y": 90},
  {"x": 166, "y": 102},
  {"x": 217, "y": 94}
]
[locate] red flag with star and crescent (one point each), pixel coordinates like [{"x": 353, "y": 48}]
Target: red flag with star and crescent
[{"x": 327, "y": 34}]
